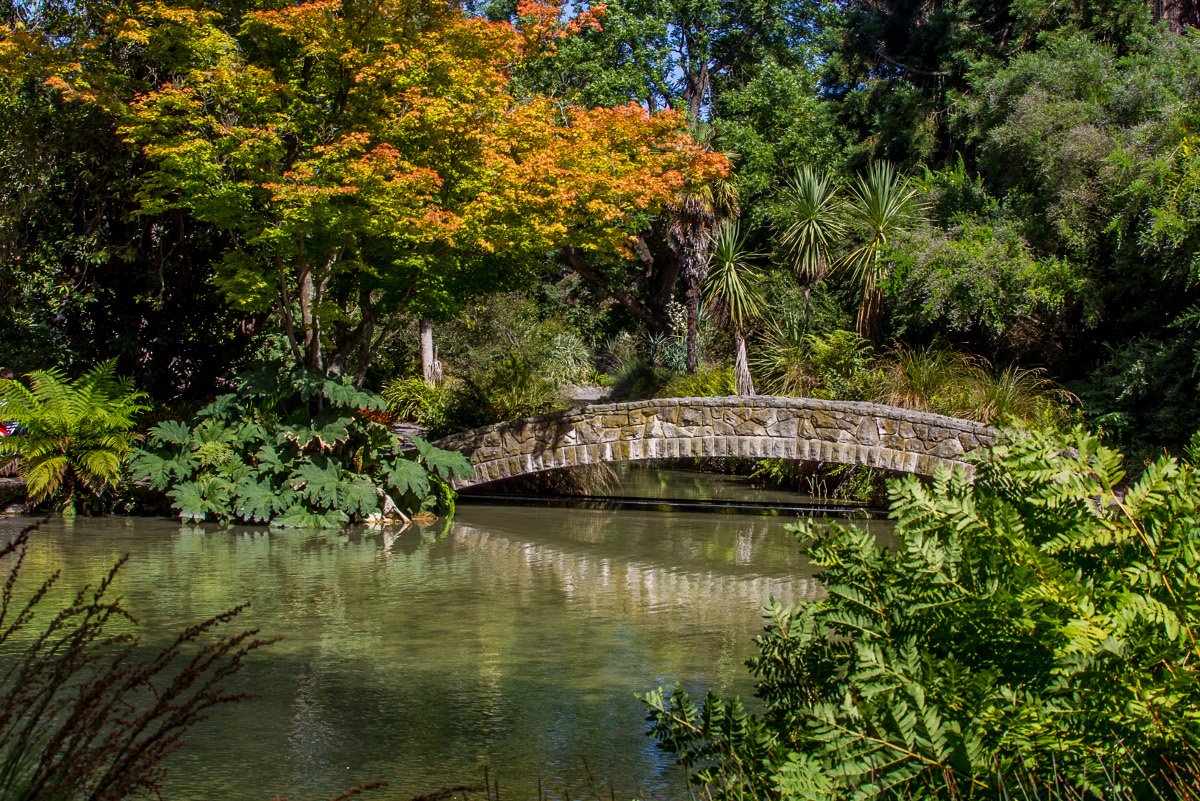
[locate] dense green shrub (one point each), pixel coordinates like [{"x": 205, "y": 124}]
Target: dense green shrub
[
  {"x": 836, "y": 365},
  {"x": 513, "y": 324},
  {"x": 569, "y": 361},
  {"x": 298, "y": 450},
  {"x": 716, "y": 382},
  {"x": 976, "y": 278},
  {"x": 952, "y": 383},
  {"x": 1144, "y": 390},
  {"x": 73, "y": 436},
  {"x": 509, "y": 390},
  {"x": 1031, "y": 634}
]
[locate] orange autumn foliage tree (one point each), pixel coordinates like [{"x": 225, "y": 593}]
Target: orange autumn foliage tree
[{"x": 372, "y": 158}]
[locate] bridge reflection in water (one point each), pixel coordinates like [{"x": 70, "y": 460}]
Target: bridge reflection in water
[{"x": 514, "y": 638}]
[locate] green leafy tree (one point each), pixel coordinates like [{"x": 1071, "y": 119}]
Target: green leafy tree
[
  {"x": 813, "y": 223},
  {"x": 898, "y": 69},
  {"x": 371, "y": 160},
  {"x": 1031, "y": 633},
  {"x": 695, "y": 216},
  {"x": 704, "y": 59},
  {"x": 87, "y": 279},
  {"x": 73, "y": 435},
  {"x": 881, "y": 205}
]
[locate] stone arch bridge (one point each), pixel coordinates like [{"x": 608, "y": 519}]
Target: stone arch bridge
[{"x": 755, "y": 427}]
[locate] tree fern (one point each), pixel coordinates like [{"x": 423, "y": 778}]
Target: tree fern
[{"x": 73, "y": 435}]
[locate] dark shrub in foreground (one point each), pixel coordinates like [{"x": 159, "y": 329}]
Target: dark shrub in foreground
[
  {"x": 86, "y": 712},
  {"x": 1031, "y": 635}
]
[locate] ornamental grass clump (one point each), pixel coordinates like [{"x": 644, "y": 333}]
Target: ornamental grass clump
[
  {"x": 1031, "y": 634},
  {"x": 87, "y": 711}
]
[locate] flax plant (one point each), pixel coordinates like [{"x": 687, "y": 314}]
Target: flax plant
[{"x": 816, "y": 227}]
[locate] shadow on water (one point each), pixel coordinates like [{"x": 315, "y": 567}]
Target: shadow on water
[
  {"x": 514, "y": 638},
  {"x": 662, "y": 485}
]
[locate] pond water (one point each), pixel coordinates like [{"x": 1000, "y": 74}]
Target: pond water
[{"x": 512, "y": 638}]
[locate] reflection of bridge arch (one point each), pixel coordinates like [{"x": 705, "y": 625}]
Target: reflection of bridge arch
[
  {"x": 755, "y": 427},
  {"x": 638, "y": 587}
]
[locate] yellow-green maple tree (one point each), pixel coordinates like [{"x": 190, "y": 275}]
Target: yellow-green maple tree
[{"x": 371, "y": 158}]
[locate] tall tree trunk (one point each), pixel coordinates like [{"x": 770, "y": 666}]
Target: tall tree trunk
[
  {"x": 741, "y": 366},
  {"x": 311, "y": 324},
  {"x": 694, "y": 247},
  {"x": 431, "y": 368},
  {"x": 693, "y": 322},
  {"x": 869, "y": 313},
  {"x": 1179, "y": 14}
]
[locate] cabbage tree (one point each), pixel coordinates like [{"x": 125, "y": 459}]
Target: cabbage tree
[{"x": 734, "y": 293}]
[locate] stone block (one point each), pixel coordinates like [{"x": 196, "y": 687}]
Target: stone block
[{"x": 867, "y": 431}]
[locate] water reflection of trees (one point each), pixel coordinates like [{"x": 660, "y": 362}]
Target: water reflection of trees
[{"x": 515, "y": 636}]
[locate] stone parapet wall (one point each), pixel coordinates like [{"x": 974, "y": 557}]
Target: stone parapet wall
[{"x": 754, "y": 427}]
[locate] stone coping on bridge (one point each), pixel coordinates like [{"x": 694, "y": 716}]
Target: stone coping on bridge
[{"x": 755, "y": 427}]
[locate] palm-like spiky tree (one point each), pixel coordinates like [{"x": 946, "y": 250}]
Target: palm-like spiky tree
[
  {"x": 71, "y": 435},
  {"x": 733, "y": 289},
  {"x": 816, "y": 227},
  {"x": 695, "y": 215},
  {"x": 882, "y": 204}
]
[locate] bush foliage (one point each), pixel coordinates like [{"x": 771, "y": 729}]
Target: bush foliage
[
  {"x": 301, "y": 450},
  {"x": 1029, "y": 634}
]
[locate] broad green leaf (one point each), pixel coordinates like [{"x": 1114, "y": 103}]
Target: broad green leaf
[
  {"x": 190, "y": 502},
  {"x": 358, "y": 497},
  {"x": 408, "y": 477},
  {"x": 299, "y": 516},
  {"x": 257, "y": 500},
  {"x": 171, "y": 432},
  {"x": 317, "y": 483},
  {"x": 447, "y": 464}
]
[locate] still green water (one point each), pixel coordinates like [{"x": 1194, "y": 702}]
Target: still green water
[{"x": 513, "y": 638}]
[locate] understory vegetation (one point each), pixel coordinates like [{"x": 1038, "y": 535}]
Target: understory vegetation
[
  {"x": 983, "y": 211},
  {"x": 295, "y": 450},
  {"x": 1031, "y": 634}
]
